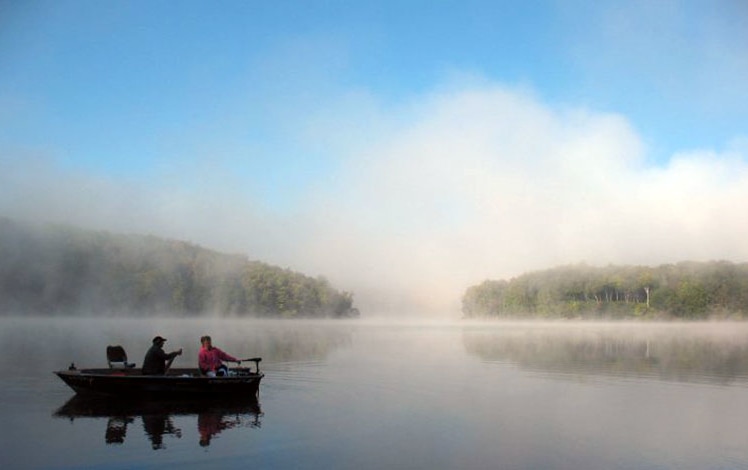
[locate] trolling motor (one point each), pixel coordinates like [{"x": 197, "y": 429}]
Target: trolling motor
[{"x": 256, "y": 360}]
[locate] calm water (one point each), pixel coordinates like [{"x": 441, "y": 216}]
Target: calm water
[{"x": 378, "y": 395}]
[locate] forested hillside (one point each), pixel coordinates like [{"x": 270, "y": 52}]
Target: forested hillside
[
  {"x": 687, "y": 290},
  {"x": 64, "y": 270}
]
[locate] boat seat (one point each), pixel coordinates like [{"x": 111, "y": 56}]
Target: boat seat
[{"x": 117, "y": 358}]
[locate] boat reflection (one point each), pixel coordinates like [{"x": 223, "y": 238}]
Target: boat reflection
[{"x": 157, "y": 417}]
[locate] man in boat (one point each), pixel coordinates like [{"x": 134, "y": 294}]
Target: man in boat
[
  {"x": 210, "y": 357},
  {"x": 155, "y": 362}
]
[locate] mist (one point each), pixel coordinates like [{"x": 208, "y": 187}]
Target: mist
[{"x": 425, "y": 198}]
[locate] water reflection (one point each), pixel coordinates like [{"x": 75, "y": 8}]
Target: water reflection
[
  {"x": 157, "y": 417},
  {"x": 685, "y": 355}
]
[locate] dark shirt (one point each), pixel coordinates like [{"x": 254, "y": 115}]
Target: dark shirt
[{"x": 155, "y": 360}]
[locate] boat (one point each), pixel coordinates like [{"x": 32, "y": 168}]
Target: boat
[
  {"x": 124, "y": 379},
  {"x": 176, "y": 382}
]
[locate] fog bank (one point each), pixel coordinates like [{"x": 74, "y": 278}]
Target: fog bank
[{"x": 428, "y": 197}]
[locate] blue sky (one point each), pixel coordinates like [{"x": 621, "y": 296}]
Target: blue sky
[{"x": 351, "y": 139}]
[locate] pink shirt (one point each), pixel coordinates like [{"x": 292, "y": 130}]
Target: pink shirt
[{"x": 211, "y": 359}]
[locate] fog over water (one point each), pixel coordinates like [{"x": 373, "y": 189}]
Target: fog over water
[
  {"x": 404, "y": 154},
  {"x": 474, "y": 180}
]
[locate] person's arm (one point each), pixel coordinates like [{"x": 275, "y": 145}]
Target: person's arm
[
  {"x": 173, "y": 354},
  {"x": 227, "y": 357},
  {"x": 161, "y": 355}
]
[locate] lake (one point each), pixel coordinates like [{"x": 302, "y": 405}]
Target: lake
[{"x": 404, "y": 395}]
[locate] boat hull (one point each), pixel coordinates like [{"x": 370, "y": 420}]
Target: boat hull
[{"x": 177, "y": 382}]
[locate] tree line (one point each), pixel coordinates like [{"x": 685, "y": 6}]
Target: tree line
[
  {"x": 65, "y": 270},
  {"x": 686, "y": 290}
]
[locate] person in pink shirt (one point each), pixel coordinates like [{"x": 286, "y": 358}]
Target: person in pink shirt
[{"x": 209, "y": 359}]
